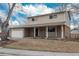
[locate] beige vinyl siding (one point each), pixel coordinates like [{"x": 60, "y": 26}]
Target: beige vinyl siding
[{"x": 45, "y": 19}]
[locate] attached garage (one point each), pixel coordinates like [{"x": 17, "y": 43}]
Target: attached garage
[{"x": 17, "y": 33}]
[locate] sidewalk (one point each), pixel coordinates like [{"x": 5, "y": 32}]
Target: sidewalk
[{"x": 33, "y": 53}]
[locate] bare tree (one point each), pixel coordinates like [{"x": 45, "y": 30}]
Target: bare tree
[{"x": 5, "y": 24}]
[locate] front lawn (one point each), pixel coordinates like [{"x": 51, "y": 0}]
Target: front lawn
[{"x": 45, "y": 45}]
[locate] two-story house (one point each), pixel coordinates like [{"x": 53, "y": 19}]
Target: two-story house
[{"x": 53, "y": 25}]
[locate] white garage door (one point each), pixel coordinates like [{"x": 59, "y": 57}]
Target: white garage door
[{"x": 17, "y": 33}]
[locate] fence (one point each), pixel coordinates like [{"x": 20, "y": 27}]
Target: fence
[{"x": 74, "y": 35}]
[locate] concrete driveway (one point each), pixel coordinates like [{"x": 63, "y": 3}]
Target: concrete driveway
[{"x": 16, "y": 52}]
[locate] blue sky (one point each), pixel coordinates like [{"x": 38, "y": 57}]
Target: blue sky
[
  {"x": 50, "y": 5},
  {"x": 4, "y": 7}
]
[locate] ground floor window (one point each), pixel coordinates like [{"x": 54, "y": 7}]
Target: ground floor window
[{"x": 51, "y": 29}]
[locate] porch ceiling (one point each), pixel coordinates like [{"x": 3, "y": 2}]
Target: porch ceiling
[
  {"x": 38, "y": 25},
  {"x": 44, "y": 24}
]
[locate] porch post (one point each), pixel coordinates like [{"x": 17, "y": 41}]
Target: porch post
[
  {"x": 56, "y": 31},
  {"x": 46, "y": 32},
  {"x": 34, "y": 32},
  {"x": 62, "y": 33}
]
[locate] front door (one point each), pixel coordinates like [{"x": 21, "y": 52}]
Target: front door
[{"x": 36, "y": 32}]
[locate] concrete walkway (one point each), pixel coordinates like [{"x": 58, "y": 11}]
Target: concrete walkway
[{"x": 15, "y": 52}]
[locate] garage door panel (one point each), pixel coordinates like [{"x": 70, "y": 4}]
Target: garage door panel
[{"x": 17, "y": 33}]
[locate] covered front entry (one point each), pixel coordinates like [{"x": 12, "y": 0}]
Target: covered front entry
[
  {"x": 45, "y": 32},
  {"x": 35, "y": 32}
]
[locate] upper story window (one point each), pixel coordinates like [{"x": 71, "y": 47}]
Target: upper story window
[
  {"x": 55, "y": 15},
  {"x": 33, "y": 19},
  {"x": 52, "y": 16}
]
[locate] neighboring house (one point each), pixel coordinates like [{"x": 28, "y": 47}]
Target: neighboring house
[
  {"x": 75, "y": 33},
  {"x": 53, "y": 25}
]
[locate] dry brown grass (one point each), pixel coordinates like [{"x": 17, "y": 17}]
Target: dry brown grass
[{"x": 46, "y": 45}]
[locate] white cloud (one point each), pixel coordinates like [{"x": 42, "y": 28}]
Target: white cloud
[
  {"x": 2, "y": 16},
  {"x": 72, "y": 26},
  {"x": 32, "y": 10},
  {"x": 13, "y": 22}
]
